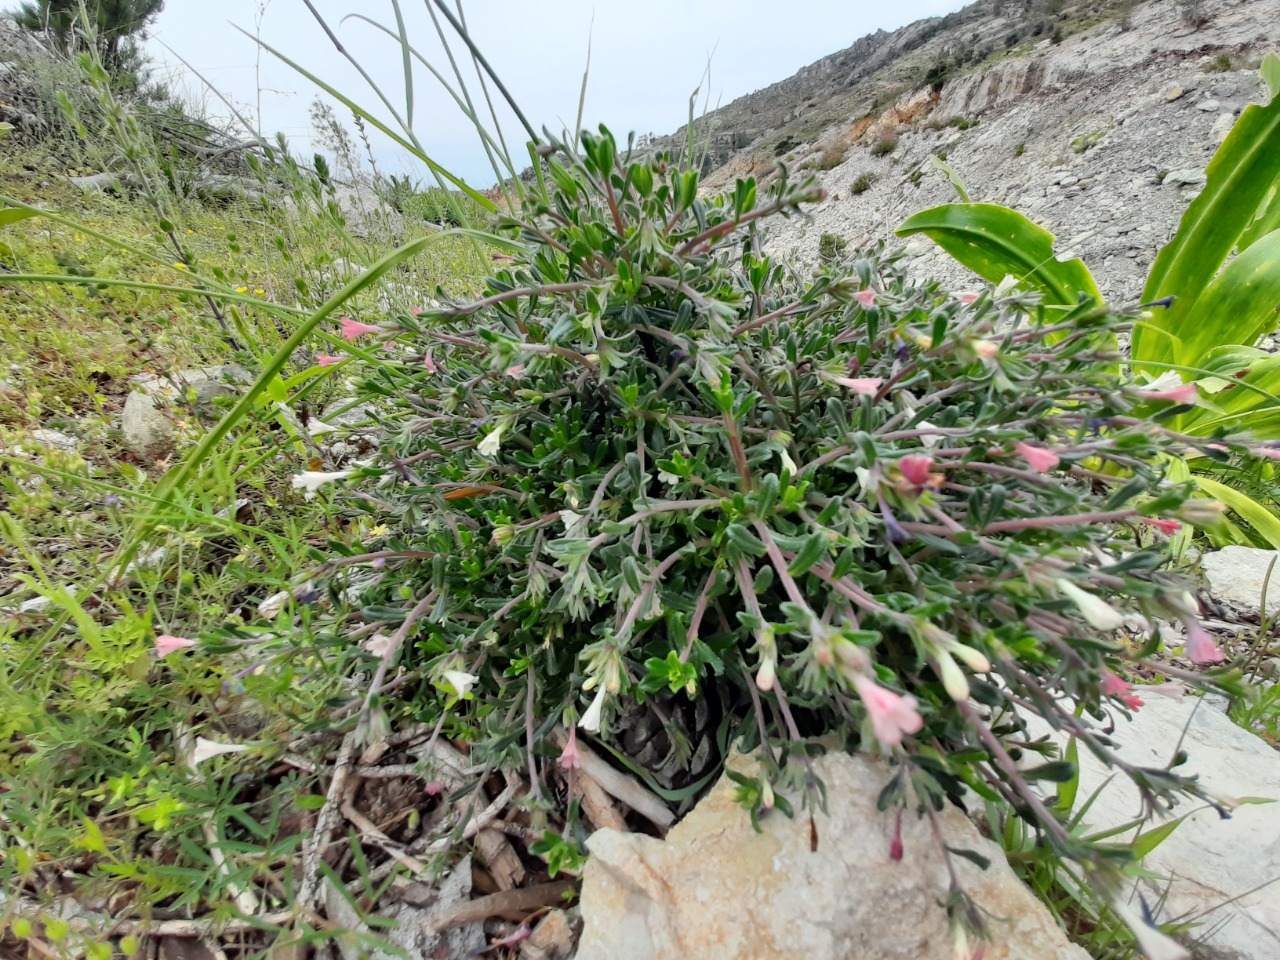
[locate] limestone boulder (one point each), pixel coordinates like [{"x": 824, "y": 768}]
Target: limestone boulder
[
  {"x": 150, "y": 410},
  {"x": 1235, "y": 576},
  {"x": 717, "y": 890},
  {"x": 1223, "y": 875}
]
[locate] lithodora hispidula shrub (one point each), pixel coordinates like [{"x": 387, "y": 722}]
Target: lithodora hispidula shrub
[{"x": 653, "y": 467}]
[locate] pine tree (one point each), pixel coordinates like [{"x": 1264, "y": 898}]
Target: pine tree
[{"x": 115, "y": 22}]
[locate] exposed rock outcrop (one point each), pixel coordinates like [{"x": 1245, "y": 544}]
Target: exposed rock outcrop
[{"x": 717, "y": 890}]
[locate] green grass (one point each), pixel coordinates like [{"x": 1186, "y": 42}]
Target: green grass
[{"x": 95, "y": 731}]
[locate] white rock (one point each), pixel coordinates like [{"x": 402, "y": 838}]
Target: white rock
[
  {"x": 145, "y": 422},
  {"x": 1207, "y": 862},
  {"x": 1222, "y": 126},
  {"x": 56, "y": 439},
  {"x": 1208, "y": 106},
  {"x": 1189, "y": 177},
  {"x": 1235, "y": 576},
  {"x": 717, "y": 890}
]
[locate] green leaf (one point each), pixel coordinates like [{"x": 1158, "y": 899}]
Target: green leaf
[
  {"x": 1239, "y": 177},
  {"x": 1270, "y": 72},
  {"x": 5, "y": 130},
  {"x": 1262, "y": 520},
  {"x": 1144, "y": 843},
  {"x": 995, "y": 242},
  {"x": 93, "y": 840},
  {"x": 977, "y": 859},
  {"x": 1238, "y": 307},
  {"x": 811, "y": 551},
  {"x": 951, "y": 175},
  {"x": 1266, "y": 220},
  {"x": 1057, "y": 771},
  {"x": 1070, "y": 788},
  {"x": 9, "y": 216}
]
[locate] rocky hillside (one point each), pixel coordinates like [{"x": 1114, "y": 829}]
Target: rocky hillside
[
  {"x": 1099, "y": 131},
  {"x": 870, "y": 74}
]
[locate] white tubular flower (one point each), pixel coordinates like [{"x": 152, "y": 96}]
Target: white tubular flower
[
  {"x": 207, "y": 749},
  {"x": 377, "y": 645},
  {"x": 309, "y": 481},
  {"x": 953, "y": 678},
  {"x": 1153, "y": 944},
  {"x": 788, "y": 464},
  {"x": 590, "y": 721},
  {"x": 318, "y": 428},
  {"x": 1098, "y": 612},
  {"x": 492, "y": 441},
  {"x": 461, "y": 681}
]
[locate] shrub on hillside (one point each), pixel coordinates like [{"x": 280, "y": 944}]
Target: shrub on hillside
[
  {"x": 651, "y": 473},
  {"x": 885, "y": 145},
  {"x": 831, "y": 246},
  {"x": 862, "y": 183}
]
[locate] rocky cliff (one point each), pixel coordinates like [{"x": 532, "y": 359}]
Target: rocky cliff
[{"x": 1100, "y": 132}]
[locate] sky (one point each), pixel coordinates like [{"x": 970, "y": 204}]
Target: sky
[{"x": 646, "y": 60}]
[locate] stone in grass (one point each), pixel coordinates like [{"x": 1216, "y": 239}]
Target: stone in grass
[
  {"x": 1235, "y": 576},
  {"x": 55, "y": 439},
  {"x": 717, "y": 890},
  {"x": 413, "y": 933},
  {"x": 1219, "y": 873},
  {"x": 146, "y": 421}
]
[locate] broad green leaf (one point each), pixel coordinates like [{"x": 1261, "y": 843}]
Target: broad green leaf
[
  {"x": 1252, "y": 403},
  {"x": 5, "y": 130},
  {"x": 1239, "y": 177},
  {"x": 1265, "y": 221},
  {"x": 9, "y": 215},
  {"x": 1271, "y": 73},
  {"x": 1262, "y": 520},
  {"x": 994, "y": 242},
  {"x": 1239, "y": 307}
]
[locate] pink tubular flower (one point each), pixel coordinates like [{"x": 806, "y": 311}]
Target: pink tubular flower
[
  {"x": 570, "y": 758},
  {"x": 892, "y": 715},
  {"x": 1038, "y": 458},
  {"x": 1200, "y": 647},
  {"x": 895, "y": 845},
  {"x": 1169, "y": 527},
  {"x": 1186, "y": 393},
  {"x": 1113, "y": 686},
  {"x": 166, "y": 645},
  {"x": 325, "y": 360},
  {"x": 351, "y": 329},
  {"x": 916, "y": 470},
  {"x": 429, "y": 362},
  {"x": 868, "y": 386},
  {"x": 415, "y": 311},
  {"x": 866, "y": 296},
  {"x": 967, "y": 298},
  {"x": 1170, "y": 688},
  {"x": 516, "y": 372}
]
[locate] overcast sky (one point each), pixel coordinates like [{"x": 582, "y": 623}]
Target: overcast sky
[{"x": 646, "y": 58}]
